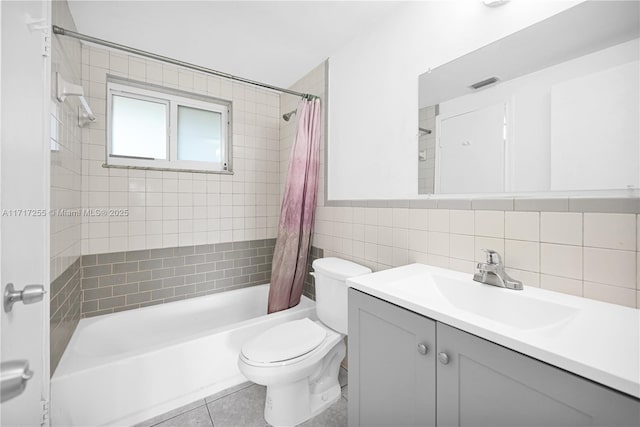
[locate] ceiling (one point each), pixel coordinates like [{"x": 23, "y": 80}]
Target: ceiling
[{"x": 275, "y": 42}]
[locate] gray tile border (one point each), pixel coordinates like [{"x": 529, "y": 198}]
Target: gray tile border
[
  {"x": 534, "y": 204},
  {"x": 111, "y": 258},
  {"x": 114, "y": 279},
  {"x": 184, "y": 250},
  {"x": 125, "y": 267},
  {"x": 65, "y": 302},
  {"x": 379, "y": 203},
  {"x": 340, "y": 203},
  {"x": 150, "y": 264},
  {"x": 131, "y": 288},
  {"x": 173, "y": 262},
  {"x": 89, "y": 260},
  {"x": 98, "y": 270},
  {"x": 492, "y": 205},
  {"x": 160, "y": 253},
  {"x": 172, "y": 282},
  {"x": 459, "y": 204},
  {"x": 205, "y": 249},
  {"x": 542, "y": 205},
  {"x": 128, "y": 280},
  {"x": 138, "y": 276},
  {"x": 399, "y": 203},
  {"x": 423, "y": 204},
  {"x": 619, "y": 205},
  {"x": 151, "y": 285},
  {"x": 184, "y": 270},
  {"x": 137, "y": 255},
  {"x": 113, "y": 302}
]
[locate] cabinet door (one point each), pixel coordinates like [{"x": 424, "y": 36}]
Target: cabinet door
[
  {"x": 391, "y": 383},
  {"x": 484, "y": 384}
]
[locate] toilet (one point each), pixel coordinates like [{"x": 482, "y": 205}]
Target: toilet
[{"x": 299, "y": 361}]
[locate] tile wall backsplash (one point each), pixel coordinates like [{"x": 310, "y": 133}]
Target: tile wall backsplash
[
  {"x": 594, "y": 255},
  {"x": 65, "y": 193},
  {"x": 169, "y": 209},
  {"x": 66, "y": 147},
  {"x": 119, "y": 281},
  {"x": 65, "y": 303},
  {"x": 309, "y": 289}
]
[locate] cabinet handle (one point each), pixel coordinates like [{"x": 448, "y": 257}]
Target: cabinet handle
[
  {"x": 443, "y": 358},
  {"x": 423, "y": 349}
]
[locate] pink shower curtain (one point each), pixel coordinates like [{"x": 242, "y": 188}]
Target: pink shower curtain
[{"x": 298, "y": 209}]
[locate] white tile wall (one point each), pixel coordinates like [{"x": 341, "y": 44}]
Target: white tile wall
[
  {"x": 169, "y": 208},
  {"x": 66, "y": 148},
  {"x": 612, "y": 231},
  {"x": 606, "y": 274},
  {"x": 561, "y": 227}
]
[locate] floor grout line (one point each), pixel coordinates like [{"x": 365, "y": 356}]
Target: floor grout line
[{"x": 209, "y": 412}]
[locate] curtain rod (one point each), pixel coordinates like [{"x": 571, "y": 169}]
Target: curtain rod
[{"x": 64, "y": 32}]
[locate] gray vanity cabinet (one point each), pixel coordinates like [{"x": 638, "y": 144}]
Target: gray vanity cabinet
[
  {"x": 475, "y": 382},
  {"x": 485, "y": 384},
  {"x": 391, "y": 381}
]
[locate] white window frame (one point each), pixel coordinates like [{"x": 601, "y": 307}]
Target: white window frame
[{"x": 172, "y": 99}]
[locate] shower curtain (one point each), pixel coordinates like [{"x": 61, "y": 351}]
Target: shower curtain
[{"x": 298, "y": 209}]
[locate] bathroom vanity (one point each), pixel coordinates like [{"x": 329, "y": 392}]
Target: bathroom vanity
[{"x": 428, "y": 346}]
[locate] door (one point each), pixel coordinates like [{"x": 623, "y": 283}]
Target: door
[
  {"x": 471, "y": 151},
  {"x": 24, "y": 198},
  {"x": 483, "y": 384},
  {"x": 391, "y": 365}
]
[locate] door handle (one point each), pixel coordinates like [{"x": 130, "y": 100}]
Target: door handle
[
  {"x": 29, "y": 295},
  {"x": 13, "y": 378}
]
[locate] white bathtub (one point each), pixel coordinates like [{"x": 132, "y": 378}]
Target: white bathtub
[{"x": 123, "y": 368}]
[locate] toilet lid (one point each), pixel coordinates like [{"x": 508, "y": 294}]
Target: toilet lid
[{"x": 285, "y": 341}]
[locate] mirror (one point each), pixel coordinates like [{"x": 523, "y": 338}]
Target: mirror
[{"x": 551, "y": 108}]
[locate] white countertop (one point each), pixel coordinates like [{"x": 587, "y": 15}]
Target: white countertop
[{"x": 595, "y": 340}]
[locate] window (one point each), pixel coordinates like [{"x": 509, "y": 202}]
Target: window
[{"x": 158, "y": 128}]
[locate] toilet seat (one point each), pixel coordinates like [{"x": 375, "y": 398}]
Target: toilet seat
[{"x": 284, "y": 342}]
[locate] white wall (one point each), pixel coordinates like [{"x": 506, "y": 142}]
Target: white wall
[{"x": 373, "y": 87}]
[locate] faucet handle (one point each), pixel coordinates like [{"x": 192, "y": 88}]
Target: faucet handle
[{"x": 493, "y": 257}]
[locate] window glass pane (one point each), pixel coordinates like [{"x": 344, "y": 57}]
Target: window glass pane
[
  {"x": 199, "y": 135},
  {"x": 138, "y": 128}
]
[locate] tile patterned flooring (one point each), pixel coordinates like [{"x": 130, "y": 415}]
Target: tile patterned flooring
[{"x": 243, "y": 406}]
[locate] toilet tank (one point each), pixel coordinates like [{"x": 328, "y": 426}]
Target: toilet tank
[{"x": 331, "y": 290}]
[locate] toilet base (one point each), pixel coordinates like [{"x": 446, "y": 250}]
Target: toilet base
[{"x": 290, "y": 404}]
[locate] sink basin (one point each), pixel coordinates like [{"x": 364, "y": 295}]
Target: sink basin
[{"x": 502, "y": 305}]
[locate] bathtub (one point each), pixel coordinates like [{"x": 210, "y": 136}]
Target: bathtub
[{"x": 123, "y": 368}]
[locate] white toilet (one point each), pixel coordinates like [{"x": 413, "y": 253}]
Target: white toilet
[{"x": 299, "y": 361}]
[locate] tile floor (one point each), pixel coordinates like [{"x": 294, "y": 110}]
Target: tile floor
[{"x": 243, "y": 406}]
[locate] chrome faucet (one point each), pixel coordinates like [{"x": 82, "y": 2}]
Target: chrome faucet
[{"x": 492, "y": 272}]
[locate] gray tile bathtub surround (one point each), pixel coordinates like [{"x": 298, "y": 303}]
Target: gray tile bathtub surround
[
  {"x": 309, "y": 289},
  {"x": 126, "y": 280},
  {"x": 65, "y": 301}
]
